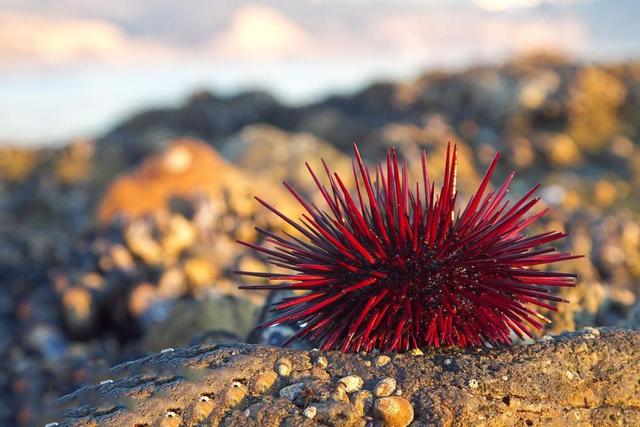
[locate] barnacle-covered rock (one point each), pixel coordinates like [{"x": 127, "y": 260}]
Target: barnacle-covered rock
[{"x": 500, "y": 387}]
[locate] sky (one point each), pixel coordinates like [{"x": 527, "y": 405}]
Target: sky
[{"x": 71, "y": 68}]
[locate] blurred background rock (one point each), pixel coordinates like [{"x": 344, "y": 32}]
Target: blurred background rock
[{"x": 123, "y": 242}]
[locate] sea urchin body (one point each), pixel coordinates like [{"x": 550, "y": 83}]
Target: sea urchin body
[{"x": 395, "y": 267}]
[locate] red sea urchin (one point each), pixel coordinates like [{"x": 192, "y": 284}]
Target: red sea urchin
[{"x": 398, "y": 269}]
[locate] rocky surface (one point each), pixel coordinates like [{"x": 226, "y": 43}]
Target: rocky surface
[
  {"x": 591, "y": 377},
  {"x": 274, "y": 155},
  {"x": 124, "y": 244}
]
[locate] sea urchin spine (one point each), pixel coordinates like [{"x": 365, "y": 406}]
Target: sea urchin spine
[{"x": 395, "y": 269}]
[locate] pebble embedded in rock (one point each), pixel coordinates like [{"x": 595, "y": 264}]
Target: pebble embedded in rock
[
  {"x": 235, "y": 394},
  {"x": 93, "y": 280},
  {"x": 142, "y": 298},
  {"x": 340, "y": 394},
  {"x": 202, "y": 408},
  {"x": 362, "y": 401},
  {"x": 171, "y": 419},
  {"x": 592, "y": 331},
  {"x": 322, "y": 362},
  {"x": 382, "y": 360},
  {"x": 79, "y": 309},
  {"x": 122, "y": 258},
  {"x": 385, "y": 387},
  {"x": 180, "y": 235},
  {"x": 337, "y": 414},
  {"x": 284, "y": 366},
  {"x": 142, "y": 244},
  {"x": 292, "y": 392},
  {"x": 264, "y": 381},
  {"x": 172, "y": 283},
  {"x": 310, "y": 412},
  {"x": 393, "y": 411},
  {"x": 351, "y": 383},
  {"x": 416, "y": 352},
  {"x": 199, "y": 272}
]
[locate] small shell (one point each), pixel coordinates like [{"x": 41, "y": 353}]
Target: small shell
[
  {"x": 171, "y": 419},
  {"x": 310, "y": 412},
  {"x": 382, "y": 360},
  {"x": 591, "y": 331},
  {"x": 393, "y": 411},
  {"x": 264, "y": 381},
  {"x": 284, "y": 366},
  {"x": 170, "y": 422},
  {"x": 340, "y": 394},
  {"x": 362, "y": 401},
  {"x": 385, "y": 387},
  {"x": 235, "y": 394},
  {"x": 351, "y": 383},
  {"x": 203, "y": 408},
  {"x": 322, "y": 362}
]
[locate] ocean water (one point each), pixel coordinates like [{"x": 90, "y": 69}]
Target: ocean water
[{"x": 48, "y": 107}]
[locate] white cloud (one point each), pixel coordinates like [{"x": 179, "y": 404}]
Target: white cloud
[
  {"x": 261, "y": 32},
  {"x": 448, "y": 33},
  {"x": 37, "y": 39},
  {"x": 500, "y": 5}
]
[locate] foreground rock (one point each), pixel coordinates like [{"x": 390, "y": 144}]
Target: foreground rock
[{"x": 591, "y": 377}]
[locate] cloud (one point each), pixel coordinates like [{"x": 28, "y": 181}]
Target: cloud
[
  {"x": 267, "y": 34},
  {"x": 474, "y": 34},
  {"x": 30, "y": 38},
  {"x": 261, "y": 32},
  {"x": 500, "y": 5}
]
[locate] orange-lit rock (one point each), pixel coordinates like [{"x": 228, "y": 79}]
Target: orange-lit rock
[{"x": 187, "y": 168}]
